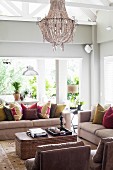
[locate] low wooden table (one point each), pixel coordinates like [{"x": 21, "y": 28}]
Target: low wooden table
[{"x": 26, "y": 146}]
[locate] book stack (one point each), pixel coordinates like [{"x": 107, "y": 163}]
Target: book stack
[{"x": 37, "y": 132}]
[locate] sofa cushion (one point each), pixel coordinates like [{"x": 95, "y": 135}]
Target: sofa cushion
[
  {"x": 103, "y": 133},
  {"x": 89, "y": 127},
  {"x": 16, "y": 110},
  {"x": 99, "y": 113},
  {"x": 16, "y": 124},
  {"x": 33, "y": 106},
  {"x": 97, "y": 158},
  {"x": 108, "y": 118},
  {"x": 36, "y": 165},
  {"x": 8, "y": 113},
  {"x": 52, "y": 110},
  {"x": 2, "y": 113},
  {"x": 30, "y": 114},
  {"x": 45, "y": 110},
  {"x": 59, "y": 109},
  {"x": 47, "y": 122},
  {"x": 93, "y": 109}
]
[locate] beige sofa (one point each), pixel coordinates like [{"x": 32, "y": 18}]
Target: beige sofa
[
  {"x": 89, "y": 131},
  {"x": 9, "y": 128}
]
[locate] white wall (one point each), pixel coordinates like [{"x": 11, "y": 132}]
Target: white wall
[
  {"x": 104, "y": 19},
  {"x": 106, "y": 49},
  {"x": 24, "y": 39},
  {"x": 14, "y": 31}
]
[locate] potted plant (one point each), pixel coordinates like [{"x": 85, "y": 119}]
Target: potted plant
[
  {"x": 16, "y": 86},
  {"x": 80, "y": 104}
]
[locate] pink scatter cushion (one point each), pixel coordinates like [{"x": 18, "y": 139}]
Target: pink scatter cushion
[
  {"x": 108, "y": 118},
  {"x": 33, "y": 106}
]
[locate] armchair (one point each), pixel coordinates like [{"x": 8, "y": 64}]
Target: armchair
[
  {"x": 104, "y": 153},
  {"x": 65, "y": 157}
]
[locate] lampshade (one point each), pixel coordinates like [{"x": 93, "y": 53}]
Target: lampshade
[
  {"x": 30, "y": 71},
  {"x": 72, "y": 89}
]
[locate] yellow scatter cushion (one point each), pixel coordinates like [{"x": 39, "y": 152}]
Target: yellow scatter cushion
[
  {"x": 16, "y": 110},
  {"x": 59, "y": 109},
  {"x": 98, "y": 115},
  {"x": 2, "y": 114},
  {"x": 45, "y": 111}
]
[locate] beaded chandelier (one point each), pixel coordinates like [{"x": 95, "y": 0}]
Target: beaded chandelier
[{"x": 57, "y": 28}]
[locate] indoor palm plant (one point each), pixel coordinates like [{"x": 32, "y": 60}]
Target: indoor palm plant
[{"x": 16, "y": 86}]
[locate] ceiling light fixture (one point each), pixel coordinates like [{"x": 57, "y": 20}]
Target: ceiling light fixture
[
  {"x": 30, "y": 71},
  {"x": 57, "y": 28}
]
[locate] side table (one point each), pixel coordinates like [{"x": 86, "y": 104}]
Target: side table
[{"x": 74, "y": 112}]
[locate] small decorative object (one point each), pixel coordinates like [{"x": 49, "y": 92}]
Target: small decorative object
[
  {"x": 57, "y": 131},
  {"x": 17, "y": 86},
  {"x": 61, "y": 121},
  {"x": 80, "y": 103}
]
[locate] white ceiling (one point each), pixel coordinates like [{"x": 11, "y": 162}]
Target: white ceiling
[{"x": 84, "y": 11}]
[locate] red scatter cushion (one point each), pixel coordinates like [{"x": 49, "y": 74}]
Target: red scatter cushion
[
  {"x": 33, "y": 106},
  {"x": 108, "y": 118}
]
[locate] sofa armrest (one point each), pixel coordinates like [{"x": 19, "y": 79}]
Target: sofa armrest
[
  {"x": 84, "y": 116},
  {"x": 67, "y": 117},
  {"x": 29, "y": 163},
  {"x": 107, "y": 163}
]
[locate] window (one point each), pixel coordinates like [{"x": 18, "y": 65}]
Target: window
[
  {"x": 50, "y": 79},
  {"x": 74, "y": 69},
  {"x": 108, "y": 79},
  {"x": 11, "y": 71}
]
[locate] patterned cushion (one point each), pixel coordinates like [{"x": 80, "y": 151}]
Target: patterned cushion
[
  {"x": 99, "y": 113},
  {"x": 45, "y": 110},
  {"x": 16, "y": 110},
  {"x": 97, "y": 158},
  {"x": 8, "y": 113},
  {"x": 30, "y": 114},
  {"x": 36, "y": 165},
  {"x": 2, "y": 113},
  {"x": 59, "y": 109}
]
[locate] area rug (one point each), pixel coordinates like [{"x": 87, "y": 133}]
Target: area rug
[
  {"x": 8, "y": 158},
  {"x": 10, "y": 161}
]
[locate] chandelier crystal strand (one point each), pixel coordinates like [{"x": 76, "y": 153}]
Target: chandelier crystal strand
[{"x": 57, "y": 28}]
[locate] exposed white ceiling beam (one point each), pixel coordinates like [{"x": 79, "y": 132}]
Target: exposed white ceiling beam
[
  {"x": 14, "y": 7},
  {"x": 7, "y": 18},
  {"x": 89, "y": 14},
  {"x": 74, "y": 4},
  {"x": 25, "y": 9},
  {"x": 36, "y": 11},
  {"x": 5, "y": 5},
  {"x": 105, "y": 2}
]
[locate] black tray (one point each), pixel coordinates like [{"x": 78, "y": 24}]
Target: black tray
[{"x": 62, "y": 131}]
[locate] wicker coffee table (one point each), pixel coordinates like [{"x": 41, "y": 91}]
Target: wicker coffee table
[{"x": 26, "y": 145}]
